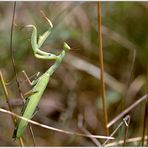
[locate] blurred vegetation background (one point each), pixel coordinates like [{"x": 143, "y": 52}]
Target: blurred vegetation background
[{"x": 73, "y": 90}]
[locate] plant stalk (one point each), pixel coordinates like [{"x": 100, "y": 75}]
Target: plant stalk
[{"x": 102, "y": 83}]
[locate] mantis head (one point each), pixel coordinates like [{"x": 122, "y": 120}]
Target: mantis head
[{"x": 66, "y": 46}]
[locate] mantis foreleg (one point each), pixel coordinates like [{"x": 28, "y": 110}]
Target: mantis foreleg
[
  {"x": 36, "y": 45},
  {"x": 43, "y": 37}
]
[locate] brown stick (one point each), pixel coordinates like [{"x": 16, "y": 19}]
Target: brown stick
[
  {"x": 145, "y": 113},
  {"x": 53, "y": 128},
  {"x": 12, "y": 57},
  {"x": 114, "y": 144},
  {"x": 127, "y": 110},
  {"x": 117, "y": 128},
  {"x": 11, "y": 51},
  {"x": 102, "y": 83},
  {"x": 126, "y": 130},
  {"x": 7, "y": 100}
]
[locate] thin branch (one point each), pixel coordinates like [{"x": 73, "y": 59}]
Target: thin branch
[
  {"x": 9, "y": 106},
  {"x": 6, "y": 95},
  {"x": 11, "y": 50},
  {"x": 127, "y": 122},
  {"x": 12, "y": 56},
  {"x": 127, "y": 110},
  {"x": 117, "y": 128},
  {"x": 102, "y": 70},
  {"x": 145, "y": 113},
  {"x": 136, "y": 139},
  {"x": 52, "y": 128},
  {"x": 32, "y": 135},
  {"x": 145, "y": 122}
]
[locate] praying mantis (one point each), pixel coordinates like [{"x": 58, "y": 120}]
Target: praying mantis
[{"x": 39, "y": 85}]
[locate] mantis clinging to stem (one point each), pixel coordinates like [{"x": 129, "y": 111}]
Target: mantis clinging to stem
[{"x": 39, "y": 85}]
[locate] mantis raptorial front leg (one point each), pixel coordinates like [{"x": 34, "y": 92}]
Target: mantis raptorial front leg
[
  {"x": 39, "y": 85},
  {"x": 37, "y": 44},
  {"x": 44, "y": 36}
]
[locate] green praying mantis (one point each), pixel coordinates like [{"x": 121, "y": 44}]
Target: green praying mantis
[{"x": 39, "y": 85}]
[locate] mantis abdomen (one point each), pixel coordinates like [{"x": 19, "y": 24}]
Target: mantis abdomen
[{"x": 32, "y": 102}]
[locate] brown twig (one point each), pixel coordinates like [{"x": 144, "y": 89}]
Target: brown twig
[
  {"x": 136, "y": 139},
  {"x": 52, "y": 128},
  {"x": 102, "y": 70},
  {"x": 127, "y": 122},
  {"x": 117, "y": 128},
  {"x": 127, "y": 110},
  {"x": 32, "y": 135},
  {"x": 6, "y": 94},
  {"x": 11, "y": 50},
  {"x": 12, "y": 58},
  {"x": 145, "y": 113},
  {"x": 7, "y": 100}
]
